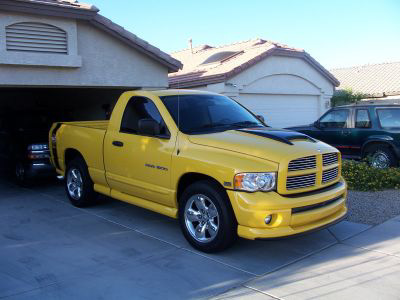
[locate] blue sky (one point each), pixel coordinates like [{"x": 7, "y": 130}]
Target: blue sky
[{"x": 336, "y": 33}]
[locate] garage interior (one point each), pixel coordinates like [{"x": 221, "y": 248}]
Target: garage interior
[{"x": 31, "y": 106}]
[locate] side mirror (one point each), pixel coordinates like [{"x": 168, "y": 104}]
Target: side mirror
[
  {"x": 261, "y": 118},
  {"x": 317, "y": 124},
  {"x": 149, "y": 127}
]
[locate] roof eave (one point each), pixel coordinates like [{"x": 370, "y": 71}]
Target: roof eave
[
  {"x": 46, "y": 9},
  {"x": 180, "y": 82},
  {"x": 132, "y": 40}
]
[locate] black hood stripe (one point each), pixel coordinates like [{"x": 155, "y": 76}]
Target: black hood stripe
[{"x": 283, "y": 136}]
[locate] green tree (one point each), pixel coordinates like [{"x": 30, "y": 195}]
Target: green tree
[{"x": 346, "y": 96}]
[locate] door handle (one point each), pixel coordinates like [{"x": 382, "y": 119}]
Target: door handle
[
  {"x": 346, "y": 132},
  {"x": 118, "y": 143}
]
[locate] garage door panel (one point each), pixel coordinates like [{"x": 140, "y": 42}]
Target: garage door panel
[{"x": 283, "y": 110}]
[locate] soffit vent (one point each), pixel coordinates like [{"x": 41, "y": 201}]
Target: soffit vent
[{"x": 36, "y": 37}]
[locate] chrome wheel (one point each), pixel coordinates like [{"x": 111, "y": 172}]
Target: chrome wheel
[
  {"x": 201, "y": 218},
  {"x": 380, "y": 160},
  {"x": 74, "y": 183}
]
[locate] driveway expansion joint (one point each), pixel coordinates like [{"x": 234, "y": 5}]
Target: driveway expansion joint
[{"x": 262, "y": 292}]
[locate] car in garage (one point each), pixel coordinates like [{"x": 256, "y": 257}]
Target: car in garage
[
  {"x": 366, "y": 129},
  {"x": 24, "y": 149}
]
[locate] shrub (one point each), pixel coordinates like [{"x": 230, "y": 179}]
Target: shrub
[
  {"x": 360, "y": 176},
  {"x": 346, "y": 96}
]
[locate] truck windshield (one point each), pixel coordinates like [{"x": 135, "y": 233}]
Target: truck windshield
[{"x": 208, "y": 113}]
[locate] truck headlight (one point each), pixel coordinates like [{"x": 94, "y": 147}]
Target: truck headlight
[{"x": 252, "y": 182}]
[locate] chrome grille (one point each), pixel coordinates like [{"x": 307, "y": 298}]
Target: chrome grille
[
  {"x": 302, "y": 181},
  {"x": 329, "y": 159},
  {"x": 329, "y": 175},
  {"x": 303, "y": 163}
]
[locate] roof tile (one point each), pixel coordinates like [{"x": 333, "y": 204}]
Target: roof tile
[{"x": 373, "y": 80}]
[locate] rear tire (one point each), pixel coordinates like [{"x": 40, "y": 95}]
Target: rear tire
[
  {"x": 78, "y": 184},
  {"x": 381, "y": 157},
  {"x": 206, "y": 217}
]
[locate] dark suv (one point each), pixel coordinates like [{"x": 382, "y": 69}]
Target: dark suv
[{"x": 360, "y": 130}]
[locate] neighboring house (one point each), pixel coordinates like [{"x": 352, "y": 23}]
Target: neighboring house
[
  {"x": 377, "y": 81},
  {"x": 64, "y": 53},
  {"x": 285, "y": 85}
]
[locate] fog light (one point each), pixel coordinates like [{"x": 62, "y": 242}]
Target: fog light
[{"x": 268, "y": 219}]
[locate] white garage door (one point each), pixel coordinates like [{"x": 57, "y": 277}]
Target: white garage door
[{"x": 282, "y": 110}]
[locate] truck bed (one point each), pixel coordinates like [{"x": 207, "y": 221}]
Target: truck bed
[{"x": 86, "y": 137}]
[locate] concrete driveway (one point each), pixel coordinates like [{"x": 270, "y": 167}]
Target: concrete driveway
[{"x": 51, "y": 250}]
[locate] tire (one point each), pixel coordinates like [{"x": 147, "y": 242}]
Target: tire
[
  {"x": 205, "y": 206},
  {"x": 381, "y": 157},
  {"x": 78, "y": 184},
  {"x": 20, "y": 174}
]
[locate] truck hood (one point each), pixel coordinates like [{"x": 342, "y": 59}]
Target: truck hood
[{"x": 266, "y": 143}]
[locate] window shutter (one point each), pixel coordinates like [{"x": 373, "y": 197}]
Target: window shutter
[{"x": 36, "y": 37}]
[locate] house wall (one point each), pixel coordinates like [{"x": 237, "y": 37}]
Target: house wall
[{"x": 94, "y": 59}]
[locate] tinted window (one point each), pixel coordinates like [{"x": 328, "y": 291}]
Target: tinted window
[
  {"x": 362, "y": 119},
  {"x": 140, "y": 108},
  {"x": 389, "y": 117},
  {"x": 335, "y": 119},
  {"x": 208, "y": 113}
]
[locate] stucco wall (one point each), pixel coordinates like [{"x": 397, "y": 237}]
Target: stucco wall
[
  {"x": 284, "y": 76},
  {"x": 106, "y": 61},
  {"x": 281, "y": 65}
]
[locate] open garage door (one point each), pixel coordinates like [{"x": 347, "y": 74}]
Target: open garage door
[
  {"x": 26, "y": 115},
  {"x": 283, "y": 110}
]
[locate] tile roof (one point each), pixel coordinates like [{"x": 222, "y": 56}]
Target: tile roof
[
  {"x": 229, "y": 60},
  {"x": 75, "y": 9},
  {"x": 374, "y": 80},
  {"x": 65, "y": 3}
]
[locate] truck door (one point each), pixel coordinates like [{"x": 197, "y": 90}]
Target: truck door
[
  {"x": 333, "y": 129},
  {"x": 361, "y": 128},
  {"x": 138, "y": 164}
]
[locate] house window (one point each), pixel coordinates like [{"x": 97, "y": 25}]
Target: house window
[{"x": 36, "y": 38}]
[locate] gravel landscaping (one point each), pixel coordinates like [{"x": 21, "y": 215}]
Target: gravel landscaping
[{"x": 373, "y": 208}]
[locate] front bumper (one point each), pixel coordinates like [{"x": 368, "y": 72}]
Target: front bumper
[
  {"x": 39, "y": 170},
  {"x": 291, "y": 215}
]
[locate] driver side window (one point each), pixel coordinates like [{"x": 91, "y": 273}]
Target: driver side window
[
  {"x": 335, "y": 119},
  {"x": 139, "y": 108}
]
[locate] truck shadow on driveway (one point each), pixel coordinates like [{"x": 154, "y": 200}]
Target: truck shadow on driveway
[{"x": 50, "y": 249}]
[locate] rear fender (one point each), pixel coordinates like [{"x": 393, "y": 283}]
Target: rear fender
[{"x": 381, "y": 139}]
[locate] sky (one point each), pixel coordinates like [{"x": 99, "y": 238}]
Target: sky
[{"x": 336, "y": 33}]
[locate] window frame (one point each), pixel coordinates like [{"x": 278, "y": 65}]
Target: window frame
[
  {"x": 166, "y": 136},
  {"x": 379, "y": 119},
  {"x": 355, "y": 118},
  {"x": 337, "y": 109}
]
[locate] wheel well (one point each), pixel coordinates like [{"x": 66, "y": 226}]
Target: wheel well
[
  {"x": 376, "y": 143},
  {"x": 190, "y": 178},
  {"x": 71, "y": 154}
]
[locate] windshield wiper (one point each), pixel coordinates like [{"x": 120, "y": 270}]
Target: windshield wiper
[
  {"x": 246, "y": 124},
  {"x": 225, "y": 126},
  {"x": 209, "y": 126}
]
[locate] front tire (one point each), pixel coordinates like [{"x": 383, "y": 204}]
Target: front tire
[
  {"x": 20, "y": 174},
  {"x": 206, "y": 217},
  {"x": 78, "y": 184}
]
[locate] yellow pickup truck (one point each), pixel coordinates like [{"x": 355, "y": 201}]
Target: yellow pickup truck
[{"x": 206, "y": 160}]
